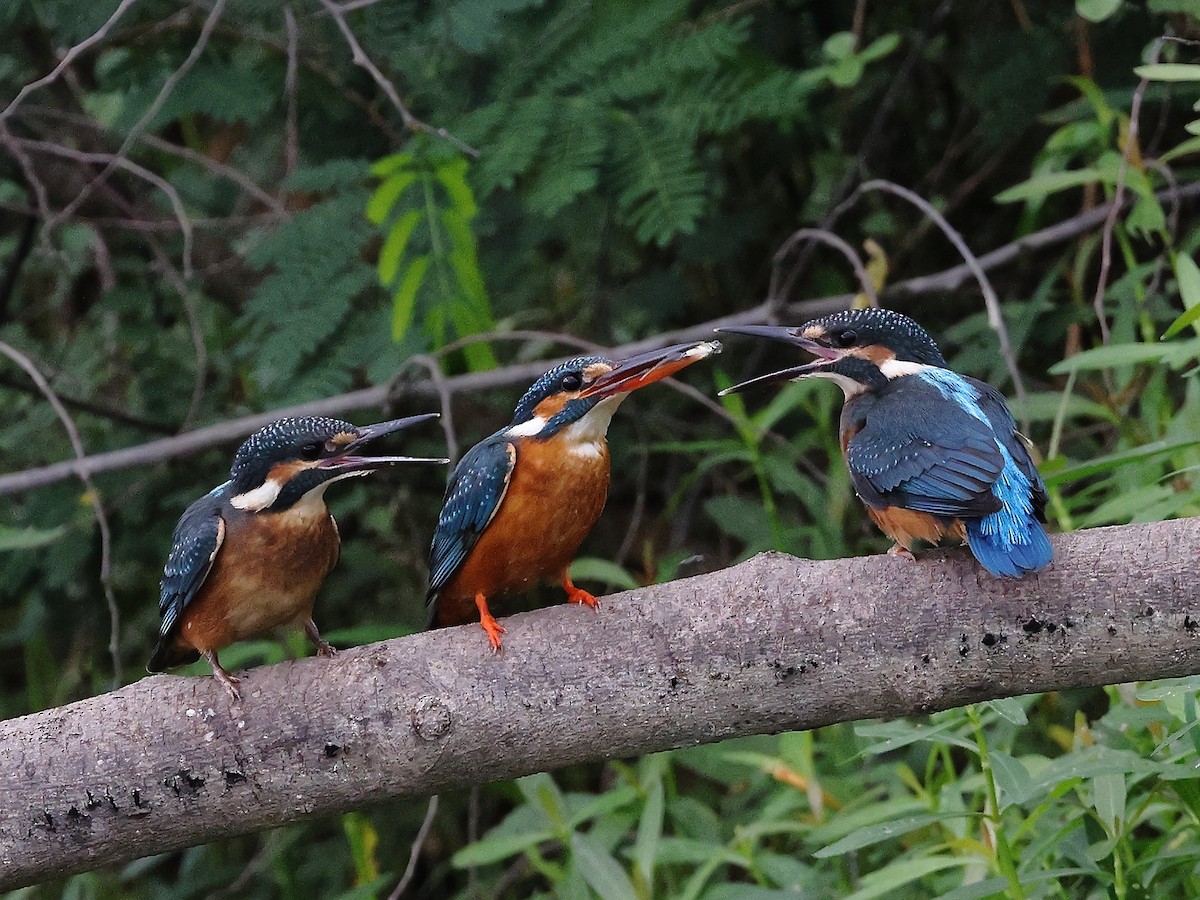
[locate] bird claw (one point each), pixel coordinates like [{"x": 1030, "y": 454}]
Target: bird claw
[
  {"x": 493, "y": 629},
  {"x": 326, "y": 650},
  {"x": 901, "y": 551},
  {"x": 579, "y": 595}
]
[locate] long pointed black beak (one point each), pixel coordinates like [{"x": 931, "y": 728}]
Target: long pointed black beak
[
  {"x": 347, "y": 461},
  {"x": 788, "y": 336},
  {"x": 647, "y": 368}
]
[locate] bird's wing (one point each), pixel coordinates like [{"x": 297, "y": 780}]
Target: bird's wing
[
  {"x": 918, "y": 449},
  {"x": 194, "y": 548},
  {"x": 476, "y": 490},
  {"x": 992, "y": 403}
]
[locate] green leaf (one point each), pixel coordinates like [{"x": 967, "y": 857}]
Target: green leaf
[
  {"x": 395, "y": 245},
  {"x": 650, "y": 827},
  {"x": 1187, "y": 276},
  {"x": 405, "y": 299},
  {"x": 1127, "y": 355},
  {"x": 1048, "y": 183},
  {"x": 1108, "y": 796},
  {"x": 493, "y": 849},
  {"x": 1115, "y": 460},
  {"x": 897, "y": 874},
  {"x": 1169, "y": 72},
  {"x": 1012, "y": 779},
  {"x": 1011, "y": 709},
  {"x": 1097, "y": 10},
  {"x": 28, "y": 538},
  {"x": 600, "y": 870},
  {"x": 603, "y": 804},
  {"x": 874, "y": 834},
  {"x": 386, "y": 195}
]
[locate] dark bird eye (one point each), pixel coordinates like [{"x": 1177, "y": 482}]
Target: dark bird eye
[
  {"x": 310, "y": 451},
  {"x": 845, "y": 338},
  {"x": 572, "y": 381}
]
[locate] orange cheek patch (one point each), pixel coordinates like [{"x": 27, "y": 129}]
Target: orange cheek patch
[
  {"x": 875, "y": 354},
  {"x": 282, "y": 473},
  {"x": 551, "y": 406}
]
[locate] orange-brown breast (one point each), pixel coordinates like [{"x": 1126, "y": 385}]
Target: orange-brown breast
[
  {"x": 267, "y": 573},
  {"x": 554, "y": 498},
  {"x": 906, "y": 526}
]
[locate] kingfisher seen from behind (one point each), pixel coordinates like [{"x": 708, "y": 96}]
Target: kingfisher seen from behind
[
  {"x": 521, "y": 501},
  {"x": 932, "y": 454},
  {"x": 251, "y": 554}
]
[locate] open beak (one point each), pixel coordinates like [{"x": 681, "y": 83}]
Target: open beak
[
  {"x": 647, "y": 368},
  {"x": 348, "y": 461},
  {"x": 787, "y": 335}
]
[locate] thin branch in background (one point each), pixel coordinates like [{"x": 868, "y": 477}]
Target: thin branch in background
[
  {"x": 114, "y": 614},
  {"x": 639, "y": 501},
  {"x": 1110, "y": 222},
  {"x": 95, "y": 409},
  {"x": 121, "y": 162},
  {"x": 40, "y": 195},
  {"x": 430, "y": 365},
  {"x": 135, "y": 132},
  {"x": 67, "y": 59},
  {"x": 291, "y": 132},
  {"x": 991, "y": 301},
  {"x": 411, "y": 122},
  {"x": 415, "y": 853},
  {"x": 830, "y": 239}
]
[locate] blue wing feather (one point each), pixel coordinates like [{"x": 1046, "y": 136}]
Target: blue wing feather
[
  {"x": 476, "y": 489},
  {"x": 944, "y": 444},
  {"x": 194, "y": 547}
]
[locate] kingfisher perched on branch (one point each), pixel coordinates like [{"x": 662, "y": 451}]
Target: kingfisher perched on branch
[
  {"x": 933, "y": 454},
  {"x": 520, "y": 502},
  {"x": 251, "y": 554}
]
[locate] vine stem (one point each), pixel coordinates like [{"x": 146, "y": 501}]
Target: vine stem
[{"x": 1004, "y": 854}]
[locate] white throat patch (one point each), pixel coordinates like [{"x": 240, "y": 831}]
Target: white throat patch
[{"x": 586, "y": 436}]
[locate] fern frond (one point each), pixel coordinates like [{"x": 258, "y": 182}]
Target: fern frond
[{"x": 662, "y": 191}]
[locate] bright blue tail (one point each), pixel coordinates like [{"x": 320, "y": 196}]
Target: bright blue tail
[{"x": 1009, "y": 553}]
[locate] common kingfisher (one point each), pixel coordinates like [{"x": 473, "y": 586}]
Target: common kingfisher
[
  {"x": 251, "y": 554},
  {"x": 521, "y": 501},
  {"x": 932, "y": 454}
]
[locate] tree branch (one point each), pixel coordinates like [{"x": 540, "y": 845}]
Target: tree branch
[{"x": 774, "y": 644}]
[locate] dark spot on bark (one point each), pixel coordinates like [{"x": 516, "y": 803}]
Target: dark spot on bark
[
  {"x": 1190, "y": 624},
  {"x": 925, "y": 659},
  {"x": 184, "y": 780},
  {"x": 1033, "y": 626},
  {"x": 991, "y": 640},
  {"x": 332, "y": 749},
  {"x": 1068, "y": 623},
  {"x": 1145, "y": 614},
  {"x": 47, "y": 820},
  {"x": 137, "y": 797},
  {"x": 1112, "y": 629},
  {"x": 92, "y": 802},
  {"x": 233, "y": 777},
  {"x": 783, "y": 673},
  {"x": 673, "y": 682},
  {"x": 1051, "y": 627}
]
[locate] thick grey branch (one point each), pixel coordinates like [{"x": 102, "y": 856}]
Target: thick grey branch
[{"x": 773, "y": 644}]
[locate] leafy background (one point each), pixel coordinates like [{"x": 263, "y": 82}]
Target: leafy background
[{"x": 277, "y": 231}]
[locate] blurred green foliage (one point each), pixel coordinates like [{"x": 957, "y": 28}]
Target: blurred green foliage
[{"x": 639, "y": 164}]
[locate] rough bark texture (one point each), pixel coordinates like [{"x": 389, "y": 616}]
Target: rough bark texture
[{"x": 773, "y": 644}]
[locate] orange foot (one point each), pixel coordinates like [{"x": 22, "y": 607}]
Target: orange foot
[
  {"x": 493, "y": 628},
  {"x": 901, "y": 551},
  {"x": 578, "y": 594}
]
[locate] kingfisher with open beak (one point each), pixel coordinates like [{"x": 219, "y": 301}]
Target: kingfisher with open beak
[
  {"x": 521, "y": 501},
  {"x": 251, "y": 554},
  {"x": 932, "y": 454}
]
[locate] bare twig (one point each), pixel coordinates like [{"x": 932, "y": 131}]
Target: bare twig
[
  {"x": 291, "y": 134},
  {"x": 1110, "y": 221},
  {"x": 438, "y": 380},
  {"x": 114, "y": 614},
  {"x": 415, "y": 853},
  {"x": 69, "y": 57},
  {"x": 147, "y": 117},
  {"x": 41, "y": 196},
  {"x": 117, "y": 161},
  {"x": 991, "y": 301},
  {"x": 411, "y": 122},
  {"x": 821, "y": 236}
]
